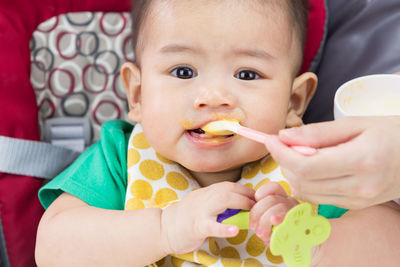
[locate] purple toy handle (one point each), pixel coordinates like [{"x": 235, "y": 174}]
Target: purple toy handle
[{"x": 227, "y": 214}]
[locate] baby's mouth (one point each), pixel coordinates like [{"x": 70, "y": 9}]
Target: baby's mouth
[{"x": 199, "y": 133}]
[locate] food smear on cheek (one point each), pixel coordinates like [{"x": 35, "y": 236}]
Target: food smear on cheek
[{"x": 187, "y": 124}]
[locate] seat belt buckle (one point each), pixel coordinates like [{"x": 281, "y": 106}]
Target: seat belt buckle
[{"x": 74, "y": 133}]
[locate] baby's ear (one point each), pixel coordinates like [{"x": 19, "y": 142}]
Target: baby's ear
[
  {"x": 302, "y": 91},
  {"x": 130, "y": 75}
]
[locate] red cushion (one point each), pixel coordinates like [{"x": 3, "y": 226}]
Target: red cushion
[
  {"x": 19, "y": 206},
  {"x": 20, "y": 209},
  {"x": 317, "y": 19}
]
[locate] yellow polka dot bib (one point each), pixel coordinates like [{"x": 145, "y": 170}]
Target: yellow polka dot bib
[{"x": 154, "y": 181}]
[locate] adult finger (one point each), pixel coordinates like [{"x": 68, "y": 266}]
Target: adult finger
[
  {"x": 330, "y": 186},
  {"x": 323, "y": 134},
  {"x": 344, "y": 200},
  {"x": 364, "y": 186},
  {"x": 327, "y": 163},
  {"x": 281, "y": 152}
]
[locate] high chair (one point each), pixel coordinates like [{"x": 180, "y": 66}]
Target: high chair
[{"x": 59, "y": 81}]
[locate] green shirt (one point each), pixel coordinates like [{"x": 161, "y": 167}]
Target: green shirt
[{"x": 99, "y": 175}]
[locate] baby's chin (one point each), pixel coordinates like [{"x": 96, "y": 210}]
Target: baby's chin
[
  {"x": 215, "y": 163},
  {"x": 212, "y": 167},
  {"x": 209, "y": 169}
]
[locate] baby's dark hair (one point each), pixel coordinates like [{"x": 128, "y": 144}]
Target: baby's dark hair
[
  {"x": 140, "y": 10},
  {"x": 299, "y": 14},
  {"x": 297, "y": 11}
]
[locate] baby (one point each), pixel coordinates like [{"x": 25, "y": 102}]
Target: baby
[
  {"x": 152, "y": 195},
  {"x": 198, "y": 62}
]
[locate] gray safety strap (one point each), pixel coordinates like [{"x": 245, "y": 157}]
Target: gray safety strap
[{"x": 32, "y": 158}]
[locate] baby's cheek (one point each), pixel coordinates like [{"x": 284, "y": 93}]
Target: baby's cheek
[
  {"x": 255, "y": 150},
  {"x": 156, "y": 132}
]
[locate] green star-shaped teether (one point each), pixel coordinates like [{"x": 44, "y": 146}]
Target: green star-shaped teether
[{"x": 297, "y": 234}]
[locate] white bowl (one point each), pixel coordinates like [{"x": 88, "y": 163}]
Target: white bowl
[{"x": 372, "y": 95}]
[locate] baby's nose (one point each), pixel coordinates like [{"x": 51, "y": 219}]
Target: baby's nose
[{"x": 215, "y": 98}]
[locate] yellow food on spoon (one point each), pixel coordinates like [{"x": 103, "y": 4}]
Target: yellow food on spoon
[{"x": 221, "y": 127}]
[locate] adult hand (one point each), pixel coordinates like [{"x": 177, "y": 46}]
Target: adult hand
[
  {"x": 357, "y": 164},
  {"x": 186, "y": 224}
]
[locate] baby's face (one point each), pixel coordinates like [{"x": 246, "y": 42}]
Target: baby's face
[{"x": 206, "y": 60}]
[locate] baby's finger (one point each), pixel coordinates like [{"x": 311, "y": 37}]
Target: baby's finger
[
  {"x": 215, "y": 229},
  {"x": 271, "y": 188},
  {"x": 273, "y": 216},
  {"x": 243, "y": 190},
  {"x": 229, "y": 200},
  {"x": 234, "y": 188},
  {"x": 261, "y": 207}
]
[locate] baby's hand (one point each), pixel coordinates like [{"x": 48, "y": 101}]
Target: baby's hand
[
  {"x": 186, "y": 224},
  {"x": 270, "y": 209}
]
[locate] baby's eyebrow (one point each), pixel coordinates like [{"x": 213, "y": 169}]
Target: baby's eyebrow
[
  {"x": 247, "y": 52},
  {"x": 177, "y": 48},
  {"x": 254, "y": 52}
]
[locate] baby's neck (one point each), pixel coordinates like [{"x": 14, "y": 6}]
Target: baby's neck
[{"x": 207, "y": 178}]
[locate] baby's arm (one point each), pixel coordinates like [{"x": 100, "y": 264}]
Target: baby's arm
[
  {"x": 367, "y": 237},
  {"x": 72, "y": 233}
]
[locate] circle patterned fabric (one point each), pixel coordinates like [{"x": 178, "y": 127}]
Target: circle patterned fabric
[{"x": 75, "y": 62}]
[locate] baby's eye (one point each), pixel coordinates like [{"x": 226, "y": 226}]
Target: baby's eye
[
  {"x": 183, "y": 73},
  {"x": 247, "y": 75}
]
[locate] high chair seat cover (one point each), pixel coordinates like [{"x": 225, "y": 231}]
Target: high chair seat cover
[{"x": 20, "y": 210}]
